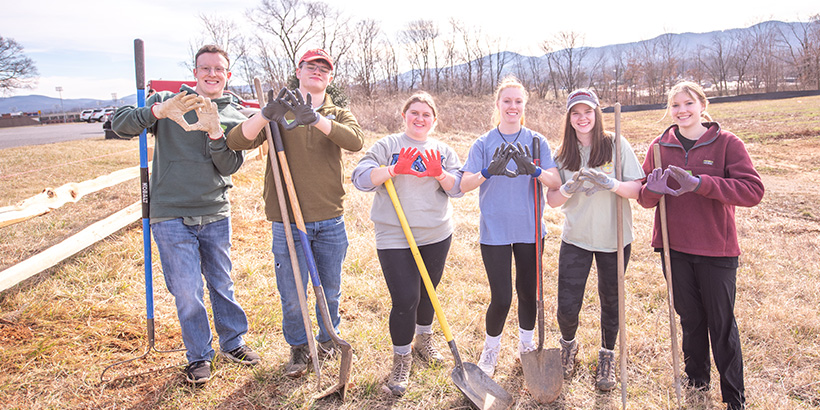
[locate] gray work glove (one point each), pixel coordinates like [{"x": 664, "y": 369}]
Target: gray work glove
[
  {"x": 599, "y": 181},
  {"x": 572, "y": 185}
]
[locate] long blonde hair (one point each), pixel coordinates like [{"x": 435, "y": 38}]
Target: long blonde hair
[
  {"x": 693, "y": 90},
  {"x": 508, "y": 82}
]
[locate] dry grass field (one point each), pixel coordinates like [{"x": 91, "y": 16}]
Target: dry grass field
[{"x": 61, "y": 328}]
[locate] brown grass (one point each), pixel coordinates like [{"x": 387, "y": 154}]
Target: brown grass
[{"x": 60, "y": 329}]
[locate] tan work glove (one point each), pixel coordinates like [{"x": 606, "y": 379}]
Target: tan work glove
[
  {"x": 175, "y": 107},
  {"x": 208, "y": 119}
]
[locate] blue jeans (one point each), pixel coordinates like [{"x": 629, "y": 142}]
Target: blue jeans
[
  {"x": 328, "y": 241},
  {"x": 189, "y": 253}
]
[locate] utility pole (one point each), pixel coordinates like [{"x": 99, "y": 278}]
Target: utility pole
[
  {"x": 114, "y": 99},
  {"x": 60, "y": 90}
]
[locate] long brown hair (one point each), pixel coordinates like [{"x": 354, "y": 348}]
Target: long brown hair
[{"x": 569, "y": 154}]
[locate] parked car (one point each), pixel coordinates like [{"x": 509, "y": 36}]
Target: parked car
[
  {"x": 100, "y": 114},
  {"x": 85, "y": 115}
]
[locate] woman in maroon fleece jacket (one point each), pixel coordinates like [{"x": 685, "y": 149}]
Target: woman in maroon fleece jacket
[{"x": 705, "y": 173}]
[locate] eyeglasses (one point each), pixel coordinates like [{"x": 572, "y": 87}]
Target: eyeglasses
[
  {"x": 215, "y": 70},
  {"x": 311, "y": 67}
]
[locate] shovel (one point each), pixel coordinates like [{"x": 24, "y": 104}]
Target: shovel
[
  {"x": 294, "y": 261},
  {"x": 482, "y": 391},
  {"x": 139, "y": 61},
  {"x": 543, "y": 373},
  {"x": 345, "y": 349}
]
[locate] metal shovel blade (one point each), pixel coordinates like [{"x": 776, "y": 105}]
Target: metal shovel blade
[
  {"x": 543, "y": 374},
  {"x": 485, "y": 393},
  {"x": 344, "y": 373}
]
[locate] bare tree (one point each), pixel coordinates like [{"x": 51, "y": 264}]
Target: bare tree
[
  {"x": 365, "y": 55},
  {"x": 16, "y": 69},
  {"x": 333, "y": 34},
  {"x": 567, "y": 62},
  {"x": 419, "y": 39},
  {"x": 715, "y": 61},
  {"x": 744, "y": 48},
  {"x": 291, "y": 22},
  {"x": 472, "y": 57},
  {"x": 804, "y": 55},
  {"x": 390, "y": 65}
]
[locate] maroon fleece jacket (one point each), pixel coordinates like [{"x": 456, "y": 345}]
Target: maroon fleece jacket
[{"x": 703, "y": 222}]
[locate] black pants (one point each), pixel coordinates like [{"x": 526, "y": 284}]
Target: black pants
[
  {"x": 411, "y": 304},
  {"x": 704, "y": 291},
  {"x": 498, "y": 264},
  {"x": 574, "y": 264}
]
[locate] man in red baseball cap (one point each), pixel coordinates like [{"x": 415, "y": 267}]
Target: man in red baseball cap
[{"x": 314, "y": 152}]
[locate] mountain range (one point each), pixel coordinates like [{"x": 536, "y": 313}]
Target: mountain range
[{"x": 686, "y": 42}]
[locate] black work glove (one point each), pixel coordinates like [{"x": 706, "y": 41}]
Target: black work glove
[
  {"x": 275, "y": 109},
  {"x": 523, "y": 159},
  {"x": 303, "y": 110},
  {"x": 498, "y": 165}
]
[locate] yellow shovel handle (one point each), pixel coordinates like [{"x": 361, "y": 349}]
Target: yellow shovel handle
[{"x": 431, "y": 291}]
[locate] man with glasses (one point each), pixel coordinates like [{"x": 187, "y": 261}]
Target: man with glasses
[
  {"x": 314, "y": 152},
  {"x": 190, "y": 211}
]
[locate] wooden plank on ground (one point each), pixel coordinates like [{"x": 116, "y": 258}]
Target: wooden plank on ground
[
  {"x": 70, "y": 246},
  {"x": 51, "y": 199}
]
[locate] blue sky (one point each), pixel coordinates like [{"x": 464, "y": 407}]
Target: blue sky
[{"x": 86, "y": 47}]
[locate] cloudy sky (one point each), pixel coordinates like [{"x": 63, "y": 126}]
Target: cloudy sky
[{"x": 86, "y": 47}]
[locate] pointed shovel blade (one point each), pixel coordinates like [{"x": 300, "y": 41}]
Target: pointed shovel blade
[{"x": 543, "y": 374}]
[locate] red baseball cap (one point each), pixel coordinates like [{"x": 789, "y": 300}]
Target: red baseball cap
[{"x": 316, "y": 54}]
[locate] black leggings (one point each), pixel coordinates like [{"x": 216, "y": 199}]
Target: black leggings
[
  {"x": 411, "y": 304},
  {"x": 498, "y": 264}
]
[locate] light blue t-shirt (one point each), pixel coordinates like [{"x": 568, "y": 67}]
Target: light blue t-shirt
[{"x": 507, "y": 204}]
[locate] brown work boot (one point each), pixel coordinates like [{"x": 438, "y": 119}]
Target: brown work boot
[
  {"x": 605, "y": 381},
  {"x": 425, "y": 349},
  {"x": 299, "y": 359},
  {"x": 568, "y": 352},
  {"x": 400, "y": 376}
]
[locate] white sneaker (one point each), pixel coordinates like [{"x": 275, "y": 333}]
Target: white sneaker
[
  {"x": 525, "y": 348},
  {"x": 489, "y": 359}
]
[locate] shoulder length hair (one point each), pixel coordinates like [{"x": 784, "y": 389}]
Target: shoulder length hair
[{"x": 569, "y": 154}]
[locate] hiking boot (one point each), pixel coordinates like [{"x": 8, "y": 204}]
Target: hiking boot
[
  {"x": 605, "y": 380},
  {"x": 243, "y": 355},
  {"x": 489, "y": 359},
  {"x": 400, "y": 376},
  {"x": 198, "y": 372},
  {"x": 425, "y": 349},
  {"x": 568, "y": 352},
  {"x": 697, "y": 385},
  {"x": 299, "y": 360},
  {"x": 326, "y": 350}
]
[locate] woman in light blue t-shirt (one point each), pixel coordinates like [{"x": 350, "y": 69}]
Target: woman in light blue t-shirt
[
  {"x": 500, "y": 165},
  {"x": 588, "y": 200}
]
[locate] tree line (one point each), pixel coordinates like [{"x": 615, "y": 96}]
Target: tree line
[{"x": 459, "y": 59}]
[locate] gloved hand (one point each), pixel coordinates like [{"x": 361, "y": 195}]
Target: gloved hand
[
  {"x": 175, "y": 107},
  {"x": 523, "y": 159},
  {"x": 656, "y": 182},
  {"x": 275, "y": 109},
  {"x": 498, "y": 165},
  {"x": 432, "y": 161},
  {"x": 572, "y": 185},
  {"x": 208, "y": 120},
  {"x": 688, "y": 183},
  {"x": 404, "y": 164},
  {"x": 599, "y": 181},
  {"x": 303, "y": 110}
]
